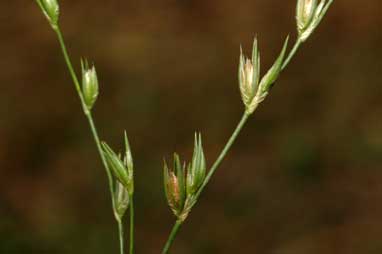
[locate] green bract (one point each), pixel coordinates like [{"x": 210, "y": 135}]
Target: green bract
[
  {"x": 122, "y": 200},
  {"x": 51, "y": 9},
  {"x": 273, "y": 73},
  {"x": 122, "y": 169}
]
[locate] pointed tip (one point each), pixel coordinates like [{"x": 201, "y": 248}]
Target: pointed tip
[
  {"x": 176, "y": 156},
  {"x": 165, "y": 163},
  {"x": 200, "y": 139},
  {"x": 127, "y": 144}
]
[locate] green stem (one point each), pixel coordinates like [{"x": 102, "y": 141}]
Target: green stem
[
  {"x": 172, "y": 236},
  {"x": 131, "y": 224},
  {"x": 292, "y": 52},
  {"x": 223, "y": 154},
  {"x": 87, "y": 112},
  {"x": 89, "y": 118},
  {"x": 120, "y": 230},
  {"x": 213, "y": 169}
]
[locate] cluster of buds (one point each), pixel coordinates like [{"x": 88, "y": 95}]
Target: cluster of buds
[
  {"x": 51, "y": 9},
  {"x": 181, "y": 184},
  {"x": 123, "y": 170},
  {"x": 90, "y": 88},
  {"x": 253, "y": 91},
  {"x": 309, "y": 14}
]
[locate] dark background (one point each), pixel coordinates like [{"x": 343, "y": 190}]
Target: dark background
[{"x": 304, "y": 176}]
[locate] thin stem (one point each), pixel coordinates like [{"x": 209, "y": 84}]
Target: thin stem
[
  {"x": 223, "y": 153},
  {"x": 87, "y": 112},
  {"x": 120, "y": 230},
  {"x": 213, "y": 169},
  {"x": 92, "y": 126},
  {"x": 131, "y": 224},
  {"x": 292, "y": 53},
  {"x": 172, "y": 236}
]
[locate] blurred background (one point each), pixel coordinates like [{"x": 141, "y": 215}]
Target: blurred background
[{"x": 304, "y": 177}]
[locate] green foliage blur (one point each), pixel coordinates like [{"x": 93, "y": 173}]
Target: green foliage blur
[{"x": 304, "y": 177}]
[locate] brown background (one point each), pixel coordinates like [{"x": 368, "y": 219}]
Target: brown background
[{"x": 304, "y": 177}]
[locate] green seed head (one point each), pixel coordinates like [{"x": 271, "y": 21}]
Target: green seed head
[
  {"x": 89, "y": 85},
  {"x": 305, "y": 13},
  {"x": 117, "y": 167},
  {"x": 196, "y": 171},
  {"x": 51, "y": 9},
  {"x": 249, "y": 71},
  {"x": 174, "y": 185}
]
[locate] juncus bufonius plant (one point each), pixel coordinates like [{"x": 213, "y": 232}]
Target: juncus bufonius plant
[{"x": 183, "y": 183}]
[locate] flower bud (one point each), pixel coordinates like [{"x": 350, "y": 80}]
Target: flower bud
[
  {"x": 89, "y": 84},
  {"x": 249, "y": 72},
  {"x": 122, "y": 201},
  {"x": 174, "y": 185},
  {"x": 51, "y": 9},
  {"x": 304, "y": 13},
  {"x": 196, "y": 172}
]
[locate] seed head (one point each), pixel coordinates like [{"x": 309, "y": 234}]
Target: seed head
[
  {"x": 249, "y": 72},
  {"x": 118, "y": 168},
  {"x": 89, "y": 84},
  {"x": 305, "y": 13},
  {"x": 174, "y": 185},
  {"x": 51, "y": 9},
  {"x": 309, "y": 14},
  {"x": 196, "y": 171}
]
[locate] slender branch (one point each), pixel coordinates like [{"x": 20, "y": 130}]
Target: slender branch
[
  {"x": 121, "y": 243},
  {"x": 172, "y": 236},
  {"x": 292, "y": 53},
  {"x": 223, "y": 154},
  {"x": 131, "y": 251}
]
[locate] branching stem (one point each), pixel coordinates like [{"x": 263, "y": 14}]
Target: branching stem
[
  {"x": 292, "y": 53},
  {"x": 223, "y": 153},
  {"x": 214, "y": 167}
]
